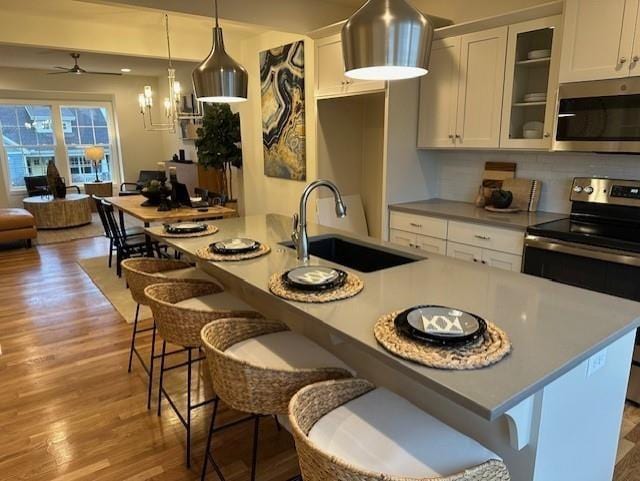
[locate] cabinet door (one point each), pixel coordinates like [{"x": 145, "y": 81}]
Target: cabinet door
[
  {"x": 482, "y": 64},
  {"x": 501, "y": 260},
  {"x": 402, "y": 238},
  {"x": 431, "y": 244},
  {"x": 523, "y": 75},
  {"x": 464, "y": 252},
  {"x": 330, "y": 78},
  {"x": 598, "y": 39},
  {"x": 439, "y": 96}
]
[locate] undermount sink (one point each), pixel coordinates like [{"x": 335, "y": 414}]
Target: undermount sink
[{"x": 355, "y": 255}]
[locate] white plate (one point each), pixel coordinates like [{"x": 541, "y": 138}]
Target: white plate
[{"x": 536, "y": 54}]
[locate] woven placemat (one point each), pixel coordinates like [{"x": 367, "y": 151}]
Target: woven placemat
[
  {"x": 211, "y": 229},
  {"x": 352, "y": 286},
  {"x": 487, "y": 350},
  {"x": 207, "y": 254}
]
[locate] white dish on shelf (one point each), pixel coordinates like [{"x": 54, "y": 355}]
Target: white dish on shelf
[
  {"x": 535, "y": 97},
  {"x": 532, "y": 134},
  {"x": 536, "y": 54},
  {"x": 532, "y": 129}
]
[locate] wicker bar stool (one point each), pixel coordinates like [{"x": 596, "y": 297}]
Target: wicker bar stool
[
  {"x": 256, "y": 366},
  {"x": 349, "y": 430},
  {"x": 145, "y": 271},
  {"x": 181, "y": 310}
]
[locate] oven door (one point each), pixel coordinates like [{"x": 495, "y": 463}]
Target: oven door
[
  {"x": 595, "y": 268},
  {"x": 599, "y": 116}
]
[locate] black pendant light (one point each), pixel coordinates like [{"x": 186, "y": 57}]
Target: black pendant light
[
  {"x": 386, "y": 40},
  {"x": 219, "y": 78}
]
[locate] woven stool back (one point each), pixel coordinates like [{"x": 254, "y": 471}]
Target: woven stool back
[
  {"x": 315, "y": 401},
  {"x": 180, "y": 325},
  {"x": 247, "y": 387},
  {"x": 145, "y": 271}
]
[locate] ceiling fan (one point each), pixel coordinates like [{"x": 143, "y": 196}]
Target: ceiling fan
[{"x": 76, "y": 69}]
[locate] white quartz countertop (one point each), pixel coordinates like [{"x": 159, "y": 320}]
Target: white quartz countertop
[
  {"x": 465, "y": 211},
  {"x": 553, "y": 327}
]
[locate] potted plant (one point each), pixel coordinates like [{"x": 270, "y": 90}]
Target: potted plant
[{"x": 218, "y": 143}]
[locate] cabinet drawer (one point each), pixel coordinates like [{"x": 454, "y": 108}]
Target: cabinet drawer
[
  {"x": 402, "y": 238},
  {"x": 431, "y": 244},
  {"x": 508, "y": 262},
  {"x": 464, "y": 252},
  {"x": 495, "y": 238},
  {"x": 419, "y": 224}
]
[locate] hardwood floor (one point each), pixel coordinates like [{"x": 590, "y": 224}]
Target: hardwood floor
[
  {"x": 68, "y": 409},
  {"x": 70, "y": 412}
]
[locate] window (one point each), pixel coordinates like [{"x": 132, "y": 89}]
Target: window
[
  {"x": 28, "y": 140},
  {"x": 32, "y": 134},
  {"x": 84, "y": 127}
]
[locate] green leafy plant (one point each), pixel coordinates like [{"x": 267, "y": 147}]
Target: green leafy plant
[{"x": 218, "y": 142}]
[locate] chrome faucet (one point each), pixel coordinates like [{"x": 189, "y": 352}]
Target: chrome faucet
[{"x": 299, "y": 235}]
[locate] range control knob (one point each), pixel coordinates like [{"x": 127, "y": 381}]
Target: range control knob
[
  {"x": 577, "y": 189},
  {"x": 588, "y": 190}
]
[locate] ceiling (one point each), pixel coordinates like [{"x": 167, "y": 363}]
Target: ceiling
[{"x": 46, "y": 59}]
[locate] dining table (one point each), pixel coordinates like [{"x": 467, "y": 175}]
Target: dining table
[{"x": 133, "y": 205}]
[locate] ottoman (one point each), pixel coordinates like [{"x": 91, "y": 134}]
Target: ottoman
[{"x": 17, "y": 225}]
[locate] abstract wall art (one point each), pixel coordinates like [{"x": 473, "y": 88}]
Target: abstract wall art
[{"x": 283, "y": 111}]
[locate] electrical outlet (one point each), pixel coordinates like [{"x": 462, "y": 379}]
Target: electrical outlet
[{"x": 596, "y": 362}]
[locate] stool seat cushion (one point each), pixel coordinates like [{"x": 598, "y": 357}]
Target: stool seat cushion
[
  {"x": 222, "y": 301},
  {"x": 384, "y": 433},
  {"x": 187, "y": 273},
  {"x": 284, "y": 351},
  {"x": 11, "y": 219}
]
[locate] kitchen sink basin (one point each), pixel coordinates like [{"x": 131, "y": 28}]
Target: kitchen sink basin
[{"x": 355, "y": 255}]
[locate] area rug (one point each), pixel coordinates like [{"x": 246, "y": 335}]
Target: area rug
[
  {"x": 114, "y": 288},
  {"x": 56, "y": 236}
]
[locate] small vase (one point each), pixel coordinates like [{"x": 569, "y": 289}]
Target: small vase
[{"x": 60, "y": 189}]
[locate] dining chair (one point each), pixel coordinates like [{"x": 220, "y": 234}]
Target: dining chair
[
  {"x": 129, "y": 232},
  {"x": 180, "y": 310},
  {"x": 256, "y": 366},
  {"x": 349, "y": 430}
]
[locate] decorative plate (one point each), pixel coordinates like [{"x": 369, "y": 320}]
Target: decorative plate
[
  {"x": 235, "y": 246},
  {"x": 314, "y": 278},
  {"x": 185, "y": 228},
  {"x": 440, "y": 325},
  {"x": 508, "y": 210}
]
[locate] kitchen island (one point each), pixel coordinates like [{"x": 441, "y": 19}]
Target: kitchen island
[{"x": 552, "y": 408}]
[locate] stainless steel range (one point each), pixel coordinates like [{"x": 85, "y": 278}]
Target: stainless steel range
[{"x": 597, "y": 247}]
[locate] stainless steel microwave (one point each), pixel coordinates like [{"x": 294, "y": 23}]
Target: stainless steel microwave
[{"x": 598, "y": 116}]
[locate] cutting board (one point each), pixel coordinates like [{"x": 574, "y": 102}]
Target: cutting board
[{"x": 495, "y": 173}]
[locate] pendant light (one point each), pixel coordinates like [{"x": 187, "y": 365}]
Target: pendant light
[
  {"x": 386, "y": 40},
  {"x": 219, "y": 78}
]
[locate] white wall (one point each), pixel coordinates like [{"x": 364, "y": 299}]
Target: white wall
[
  {"x": 139, "y": 149},
  {"x": 266, "y": 194},
  {"x": 458, "y": 174}
]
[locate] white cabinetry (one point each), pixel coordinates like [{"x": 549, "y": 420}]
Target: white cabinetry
[
  {"x": 461, "y": 97},
  {"x": 493, "y": 246},
  {"x": 330, "y": 78},
  {"x": 601, "y": 40}
]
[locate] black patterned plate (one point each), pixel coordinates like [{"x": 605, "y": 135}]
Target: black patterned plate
[
  {"x": 314, "y": 278},
  {"x": 236, "y": 245},
  {"x": 440, "y": 325},
  {"x": 185, "y": 228}
]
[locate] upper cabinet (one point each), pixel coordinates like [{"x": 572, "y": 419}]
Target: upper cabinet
[
  {"x": 533, "y": 55},
  {"x": 601, "y": 40},
  {"x": 461, "y": 97},
  {"x": 330, "y": 78}
]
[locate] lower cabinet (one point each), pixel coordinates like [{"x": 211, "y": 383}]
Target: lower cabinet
[
  {"x": 492, "y": 258},
  {"x": 418, "y": 241}
]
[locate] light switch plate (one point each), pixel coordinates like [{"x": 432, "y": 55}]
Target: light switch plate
[{"x": 596, "y": 362}]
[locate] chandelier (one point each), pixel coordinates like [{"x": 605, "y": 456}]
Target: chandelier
[{"x": 172, "y": 105}]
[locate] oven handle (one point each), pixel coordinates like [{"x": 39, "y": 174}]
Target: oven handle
[{"x": 581, "y": 250}]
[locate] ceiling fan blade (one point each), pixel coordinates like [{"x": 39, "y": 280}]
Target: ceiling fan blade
[{"x": 101, "y": 73}]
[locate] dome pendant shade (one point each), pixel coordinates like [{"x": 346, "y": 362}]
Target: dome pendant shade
[
  {"x": 386, "y": 40},
  {"x": 219, "y": 78}
]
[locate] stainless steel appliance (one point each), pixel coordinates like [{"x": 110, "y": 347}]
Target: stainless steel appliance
[
  {"x": 599, "y": 116},
  {"x": 597, "y": 247}
]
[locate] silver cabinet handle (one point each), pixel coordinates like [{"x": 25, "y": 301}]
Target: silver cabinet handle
[
  {"x": 451, "y": 136},
  {"x": 475, "y": 260},
  {"x": 413, "y": 224},
  {"x": 458, "y": 136},
  {"x": 635, "y": 59},
  {"x": 484, "y": 262},
  {"x": 482, "y": 237},
  {"x": 411, "y": 244},
  {"x": 546, "y": 135},
  {"x": 623, "y": 60}
]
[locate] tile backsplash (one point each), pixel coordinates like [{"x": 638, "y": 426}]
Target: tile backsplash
[{"x": 456, "y": 174}]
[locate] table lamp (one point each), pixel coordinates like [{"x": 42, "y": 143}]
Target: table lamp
[{"x": 95, "y": 155}]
